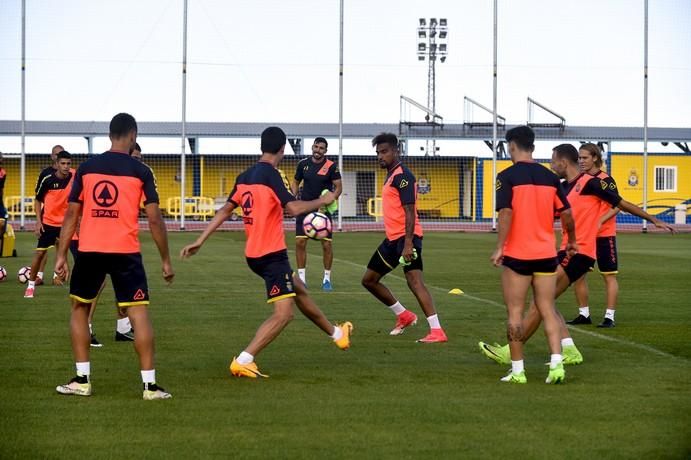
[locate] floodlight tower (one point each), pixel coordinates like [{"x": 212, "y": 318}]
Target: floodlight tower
[{"x": 432, "y": 44}]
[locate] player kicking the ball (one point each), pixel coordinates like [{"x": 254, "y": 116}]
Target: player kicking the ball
[
  {"x": 403, "y": 243},
  {"x": 262, "y": 195}
]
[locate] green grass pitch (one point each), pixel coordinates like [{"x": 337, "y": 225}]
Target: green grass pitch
[{"x": 387, "y": 397}]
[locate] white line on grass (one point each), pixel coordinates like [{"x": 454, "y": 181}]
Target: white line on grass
[{"x": 629, "y": 343}]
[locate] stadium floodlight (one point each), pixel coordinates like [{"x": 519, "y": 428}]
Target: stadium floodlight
[{"x": 432, "y": 45}]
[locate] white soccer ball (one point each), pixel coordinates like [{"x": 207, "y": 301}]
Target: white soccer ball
[
  {"x": 23, "y": 274},
  {"x": 316, "y": 225},
  {"x": 3, "y": 273}
]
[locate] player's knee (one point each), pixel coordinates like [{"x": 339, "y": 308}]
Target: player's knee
[
  {"x": 301, "y": 243},
  {"x": 368, "y": 282}
]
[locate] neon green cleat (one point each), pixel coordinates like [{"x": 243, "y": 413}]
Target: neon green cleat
[
  {"x": 556, "y": 374},
  {"x": 496, "y": 352},
  {"x": 571, "y": 355},
  {"x": 515, "y": 378}
]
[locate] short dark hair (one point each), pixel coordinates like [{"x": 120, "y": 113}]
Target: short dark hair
[
  {"x": 321, "y": 140},
  {"x": 122, "y": 124},
  {"x": 566, "y": 152},
  {"x": 523, "y": 136},
  {"x": 135, "y": 147},
  {"x": 63, "y": 154},
  {"x": 385, "y": 138},
  {"x": 273, "y": 138}
]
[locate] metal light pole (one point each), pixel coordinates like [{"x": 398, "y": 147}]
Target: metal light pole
[{"x": 432, "y": 43}]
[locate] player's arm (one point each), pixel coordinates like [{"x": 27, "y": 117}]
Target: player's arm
[
  {"x": 38, "y": 208},
  {"x": 221, "y": 216},
  {"x": 636, "y": 211},
  {"x": 338, "y": 188},
  {"x": 294, "y": 187},
  {"x": 160, "y": 237},
  {"x": 297, "y": 207},
  {"x": 503, "y": 225},
  {"x": 608, "y": 215},
  {"x": 569, "y": 225},
  {"x": 69, "y": 226},
  {"x": 409, "y": 210}
]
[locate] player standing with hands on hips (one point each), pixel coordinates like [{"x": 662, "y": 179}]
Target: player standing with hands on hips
[{"x": 317, "y": 174}]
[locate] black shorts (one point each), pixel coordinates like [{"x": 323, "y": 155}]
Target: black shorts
[
  {"x": 278, "y": 276},
  {"x": 300, "y": 232},
  {"x": 607, "y": 261},
  {"x": 387, "y": 256},
  {"x": 537, "y": 267},
  {"x": 575, "y": 267},
  {"x": 49, "y": 236},
  {"x": 126, "y": 272}
]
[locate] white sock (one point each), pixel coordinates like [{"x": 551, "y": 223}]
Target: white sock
[
  {"x": 434, "y": 321},
  {"x": 32, "y": 284},
  {"x": 397, "y": 308},
  {"x": 567, "y": 342},
  {"x": 338, "y": 333},
  {"x": 327, "y": 275},
  {"x": 91, "y": 330},
  {"x": 609, "y": 313},
  {"x": 302, "y": 272},
  {"x": 84, "y": 368},
  {"x": 149, "y": 376},
  {"x": 585, "y": 311},
  {"x": 554, "y": 360},
  {"x": 39, "y": 275},
  {"x": 245, "y": 358},
  {"x": 124, "y": 325},
  {"x": 517, "y": 366}
]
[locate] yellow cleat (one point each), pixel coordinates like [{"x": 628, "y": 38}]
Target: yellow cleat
[
  {"x": 245, "y": 370},
  {"x": 344, "y": 342}
]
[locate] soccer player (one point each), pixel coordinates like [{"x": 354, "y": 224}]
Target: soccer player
[
  {"x": 123, "y": 326},
  {"x": 47, "y": 171},
  {"x": 51, "y": 205},
  {"x": 585, "y": 194},
  {"x": 527, "y": 197},
  {"x": 403, "y": 243},
  {"x": 316, "y": 174},
  {"x": 590, "y": 162},
  {"x": 262, "y": 195},
  {"x": 106, "y": 195}
]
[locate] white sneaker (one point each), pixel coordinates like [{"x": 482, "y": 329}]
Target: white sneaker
[
  {"x": 153, "y": 391},
  {"x": 79, "y": 386}
]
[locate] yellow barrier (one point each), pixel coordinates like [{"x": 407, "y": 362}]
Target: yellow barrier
[
  {"x": 374, "y": 207},
  {"x": 13, "y": 205},
  {"x": 196, "y": 207}
]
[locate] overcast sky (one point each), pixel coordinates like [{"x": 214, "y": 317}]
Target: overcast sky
[{"x": 277, "y": 61}]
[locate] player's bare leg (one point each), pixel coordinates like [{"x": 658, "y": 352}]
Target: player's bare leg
[
  {"x": 328, "y": 256},
  {"x": 416, "y": 284},
  {"x": 271, "y": 328},
  {"x": 544, "y": 287},
  {"x": 370, "y": 281},
  {"x": 143, "y": 335},
  {"x": 515, "y": 287},
  {"x": 301, "y": 256},
  {"x": 611, "y": 293},
  {"x": 79, "y": 331},
  {"x": 39, "y": 256},
  {"x": 309, "y": 308}
]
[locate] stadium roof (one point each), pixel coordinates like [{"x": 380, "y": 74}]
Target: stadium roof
[{"x": 350, "y": 130}]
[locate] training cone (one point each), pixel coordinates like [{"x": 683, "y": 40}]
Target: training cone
[{"x": 456, "y": 291}]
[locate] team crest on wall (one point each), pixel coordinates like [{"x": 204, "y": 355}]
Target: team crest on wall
[{"x": 633, "y": 178}]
